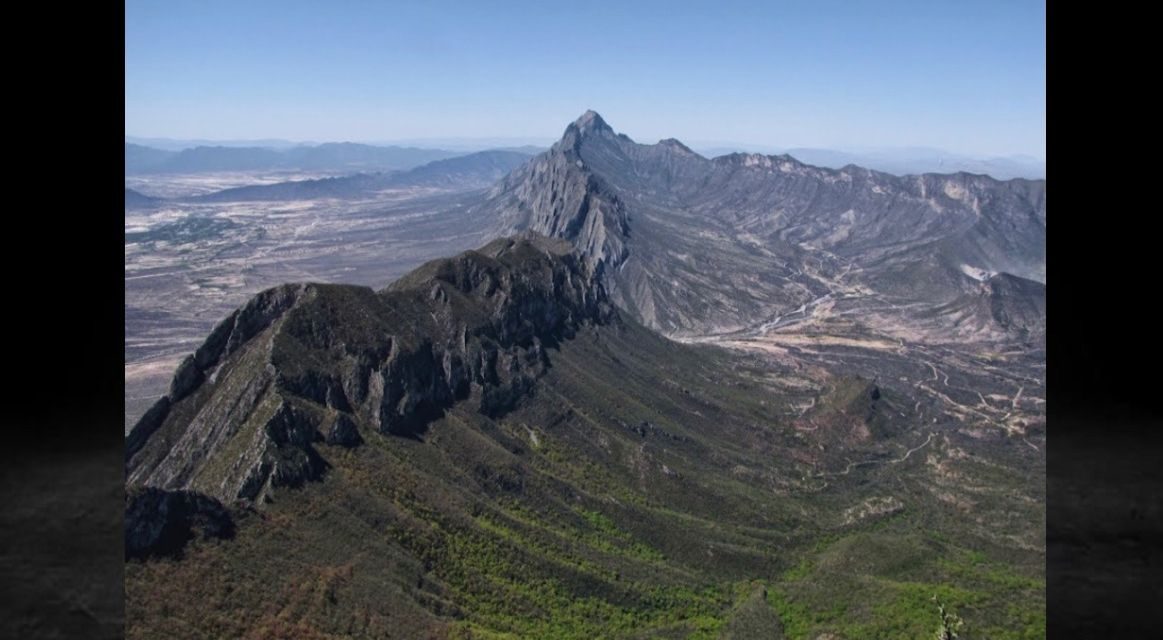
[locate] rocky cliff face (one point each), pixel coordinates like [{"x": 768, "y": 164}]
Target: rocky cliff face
[
  {"x": 691, "y": 245},
  {"x": 558, "y": 196},
  {"x": 308, "y": 365},
  {"x": 160, "y": 523}
]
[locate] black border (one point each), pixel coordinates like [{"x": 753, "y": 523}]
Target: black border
[
  {"x": 61, "y": 462},
  {"x": 1104, "y": 525}
]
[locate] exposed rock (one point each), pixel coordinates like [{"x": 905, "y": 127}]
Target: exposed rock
[
  {"x": 343, "y": 431},
  {"x": 556, "y": 195},
  {"x": 301, "y": 364},
  {"x": 187, "y": 378},
  {"x": 874, "y": 507},
  {"x": 161, "y": 523},
  {"x": 146, "y": 426}
]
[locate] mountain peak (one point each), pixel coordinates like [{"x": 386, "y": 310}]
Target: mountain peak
[
  {"x": 588, "y": 124},
  {"x": 591, "y": 120},
  {"x": 676, "y": 145}
]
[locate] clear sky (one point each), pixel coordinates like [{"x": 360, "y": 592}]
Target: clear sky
[{"x": 967, "y": 77}]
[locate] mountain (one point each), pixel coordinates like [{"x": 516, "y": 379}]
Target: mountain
[
  {"x": 470, "y": 145},
  {"x": 697, "y": 246},
  {"x": 397, "y": 358},
  {"x": 349, "y": 155},
  {"x": 178, "y": 144},
  {"x": 472, "y": 171},
  {"x": 527, "y": 149},
  {"x": 342, "y": 156},
  {"x": 926, "y": 160},
  {"x": 902, "y": 161},
  {"x": 138, "y": 200},
  {"x": 1002, "y": 301},
  {"x": 139, "y": 159},
  {"x": 479, "y": 170},
  {"x": 489, "y": 447},
  {"x": 210, "y": 159}
]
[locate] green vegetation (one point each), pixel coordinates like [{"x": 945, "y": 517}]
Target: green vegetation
[{"x": 827, "y": 593}]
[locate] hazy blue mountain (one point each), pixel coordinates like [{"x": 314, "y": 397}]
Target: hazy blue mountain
[
  {"x": 211, "y": 159},
  {"x": 336, "y": 156},
  {"x": 472, "y": 171},
  {"x": 466, "y": 145},
  {"x": 479, "y": 169},
  {"x": 349, "y": 155},
  {"x": 178, "y": 144},
  {"x": 899, "y": 161},
  {"x": 138, "y": 200},
  {"x": 139, "y": 159}
]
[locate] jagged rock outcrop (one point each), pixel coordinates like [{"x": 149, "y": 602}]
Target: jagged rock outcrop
[
  {"x": 159, "y": 523},
  {"x": 309, "y": 365},
  {"x": 558, "y": 196}
]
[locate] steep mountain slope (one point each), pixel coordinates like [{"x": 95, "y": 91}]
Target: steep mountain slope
[
  {"x": 472, "y": 171},
  {"x": 299, "y": 356},
  {"x": 490, "y": 447},
  {"x": 693, "y": 246}
]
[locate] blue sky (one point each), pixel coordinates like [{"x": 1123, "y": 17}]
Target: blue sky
[{"x": 968, "y": 77}]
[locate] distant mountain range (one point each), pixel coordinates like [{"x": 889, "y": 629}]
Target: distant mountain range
[
  {"x": 901, "y": 161},
  {"x": 150, "y": 154},
  {"x": 472, "y": 171},
  {"x": 178, "y": 144},
  {"x": 463, "y": 145},
  {"x": 337, "y": 157},
  {"x": 137, "y": 200}
]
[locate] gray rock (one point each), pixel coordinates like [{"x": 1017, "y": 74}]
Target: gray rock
[
  {"x": 300, "y": 364},
  {"x": 160, "y": 523},
  {"x": 343, "y": 432}
]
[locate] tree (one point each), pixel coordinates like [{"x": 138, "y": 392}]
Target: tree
[{"x": 951, "y": 623}]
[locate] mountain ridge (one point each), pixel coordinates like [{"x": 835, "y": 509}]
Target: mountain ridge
[
  {"x": 595, "y": 187},
  {"x": 253, "y": 378},
  {"x": 330, "y": 156},
  {"x": 469, "y": 171}
]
